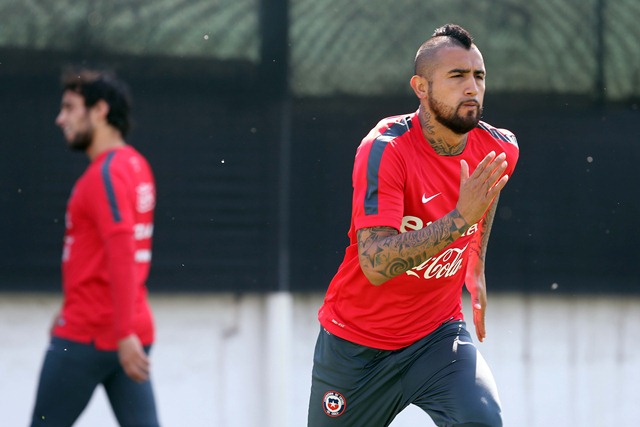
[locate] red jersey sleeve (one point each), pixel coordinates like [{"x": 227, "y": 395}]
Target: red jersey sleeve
[
  {"x": 120, "y": 252},
  {"x": 378, "y": 179},
  {"x": 114, "y": 213}
]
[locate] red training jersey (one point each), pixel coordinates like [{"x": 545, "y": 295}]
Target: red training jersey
[
  {"x": 400, "y": 181},
  {"x": 107, "y": 252}
]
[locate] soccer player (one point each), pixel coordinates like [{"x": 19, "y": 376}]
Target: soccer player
[
  {"x": 105, "y": 329},
  {"x": 425, "y": 190}
]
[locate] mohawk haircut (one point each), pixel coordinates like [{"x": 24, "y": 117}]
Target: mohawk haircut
[
  {"x": 447, "y": 35},
  {"x": 455, "y": 32}
]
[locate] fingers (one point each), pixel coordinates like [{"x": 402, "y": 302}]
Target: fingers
[
  {"x": 498, "y": 186},
  {"x": 478, "y": 321},
  {"x": 142, "y": 368},
  {"x": 133, "y": 358},
  {"x": 491, "y": 166},
  {"x": 489, "y": 172},
  {"x": 488, "y": 159},
  {"x": 479, "y": 189},
  {"x": 464, "y": 171},
  {"x": 142, "y": 374},
  {"x": 138, "y": 369}
]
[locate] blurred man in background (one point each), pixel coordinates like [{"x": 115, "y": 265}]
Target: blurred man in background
[{"x": 105, "y": 328}]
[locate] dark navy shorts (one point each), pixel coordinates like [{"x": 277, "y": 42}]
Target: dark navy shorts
[
  {"x": 71, "y": 372},
  {"x": 443, "y": 373}
]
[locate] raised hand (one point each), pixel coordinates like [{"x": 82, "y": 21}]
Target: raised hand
[{"x": 478, "y": 190}]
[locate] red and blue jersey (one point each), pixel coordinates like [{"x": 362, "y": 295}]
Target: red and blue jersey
[
  {"x": 107, "y": 252},
  {"x": 400, "y": 181}
]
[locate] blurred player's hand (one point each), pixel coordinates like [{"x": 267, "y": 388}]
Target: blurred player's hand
[{"x": 133, "y": 359}]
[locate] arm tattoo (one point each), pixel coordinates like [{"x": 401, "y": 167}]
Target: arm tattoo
[
  {"x": 486, "y": 229},
  {"x": 480, "y": 249},
  {"x": 386, "y": 253}
]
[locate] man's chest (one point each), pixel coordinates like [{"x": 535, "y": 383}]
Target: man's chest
[{"x": 431, "y": 191}]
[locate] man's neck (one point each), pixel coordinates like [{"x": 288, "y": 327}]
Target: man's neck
[
  {"x": 443, "y": 141},
  {"x": 104, "y": 140}
]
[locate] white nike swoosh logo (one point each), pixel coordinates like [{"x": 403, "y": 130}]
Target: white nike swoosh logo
[{"x": 426, "y": 199}]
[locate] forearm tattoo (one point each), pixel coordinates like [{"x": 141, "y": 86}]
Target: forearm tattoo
[
  {"x": 387, "y": 253},
  {"x": 480, "y": 248}
]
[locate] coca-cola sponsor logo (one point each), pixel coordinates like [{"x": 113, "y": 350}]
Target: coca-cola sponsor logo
[{"x": 446, "y": 264}]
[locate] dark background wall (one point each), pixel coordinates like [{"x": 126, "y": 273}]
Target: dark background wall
[
  {"x": 213, "y": 150},
  {"x": 567, "y": 221}
]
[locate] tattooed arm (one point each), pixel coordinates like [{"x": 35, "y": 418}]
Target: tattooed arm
[
  {"x": 479, "y": 249},
  {"x": 385, "y": 253},
  {"x": 475, "y": 279}
]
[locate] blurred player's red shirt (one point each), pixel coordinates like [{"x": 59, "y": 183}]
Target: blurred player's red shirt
[
  {"x": 107, "y": 252},
  {"x": 401, "y": 182}
]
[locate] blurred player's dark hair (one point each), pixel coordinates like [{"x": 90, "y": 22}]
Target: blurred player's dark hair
[{"x": 95, "y": 85}]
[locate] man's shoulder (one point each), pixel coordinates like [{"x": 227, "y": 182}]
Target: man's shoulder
[
  {"x": 127, "y": 160},
  {"x": 399, "y": 122},
  {"x": 126, "y": 153},
  {"x": 499, "y": 134},
  {"x": 391, "y": 128}
]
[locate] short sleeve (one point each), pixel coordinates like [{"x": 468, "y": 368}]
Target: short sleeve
[{"x": 378, "y": 183}]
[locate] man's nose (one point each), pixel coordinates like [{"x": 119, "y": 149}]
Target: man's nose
[{"x": 472, "y": 88}]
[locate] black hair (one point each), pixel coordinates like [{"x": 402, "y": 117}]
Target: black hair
[
  {"x": 455, "y": 32},
  {"x": 95, "y": 85},
  {"x": 446, "y": 35}
]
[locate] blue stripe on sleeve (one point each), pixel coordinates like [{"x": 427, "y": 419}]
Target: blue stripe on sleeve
[
  {"x": 373, "y": 163},
  {"x": 111, "y": 195}
]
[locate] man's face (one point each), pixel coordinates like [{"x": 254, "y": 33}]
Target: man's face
[
  {"x": 75, "y": 121},
  {"x": 456, "y": 88}
]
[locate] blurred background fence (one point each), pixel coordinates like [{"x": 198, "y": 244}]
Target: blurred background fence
[{"x": 250, "y": 112}]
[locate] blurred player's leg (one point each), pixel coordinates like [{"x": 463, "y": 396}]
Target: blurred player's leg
[
  {"x": 133, "y": 403},
  {"x": 67, "y": 381}
]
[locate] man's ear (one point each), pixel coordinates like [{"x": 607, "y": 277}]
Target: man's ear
[
  {"x": 420, "y": 86},
  {"x": 100, "y": 110}
]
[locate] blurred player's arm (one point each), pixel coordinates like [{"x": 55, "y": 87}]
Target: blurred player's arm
[
  {"x": 115, "y": 218},
  {"x": 120, "y": 258}
]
